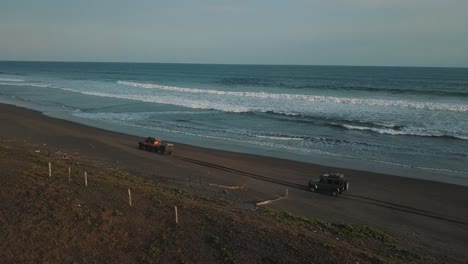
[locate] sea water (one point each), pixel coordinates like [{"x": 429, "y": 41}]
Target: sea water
[{"x": 410, "y": 122}]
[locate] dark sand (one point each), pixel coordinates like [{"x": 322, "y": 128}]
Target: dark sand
[{"x": 427, "y": 216}]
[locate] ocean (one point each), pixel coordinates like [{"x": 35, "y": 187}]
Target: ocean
[{"x": 403, "y": 121}]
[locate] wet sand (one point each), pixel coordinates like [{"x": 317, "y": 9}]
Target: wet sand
[{"x": 424, "y": 215}]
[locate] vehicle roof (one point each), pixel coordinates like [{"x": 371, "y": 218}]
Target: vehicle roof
[{"x": 332, "y": 175}]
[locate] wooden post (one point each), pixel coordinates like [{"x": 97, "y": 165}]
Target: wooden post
[
  {"x": 286, "y": 193},
  {"x": 69, "y": 174},
  {"x": 129, "y": 197},
  {"x": 50, "y": 169},
  {"x": 86, "y": 179},
  {"x": 176, "y": 215}
]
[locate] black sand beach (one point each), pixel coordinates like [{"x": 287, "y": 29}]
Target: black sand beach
[{"x": 426, "y": 216}]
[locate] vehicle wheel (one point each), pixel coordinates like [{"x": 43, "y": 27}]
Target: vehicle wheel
[
  {"x": 312, "y": 188},
  {"x": 346, "y": 187},
  {"x": 334, "y": 192}
]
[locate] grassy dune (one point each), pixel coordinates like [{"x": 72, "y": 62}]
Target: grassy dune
[{"x": 52, "y": 219}]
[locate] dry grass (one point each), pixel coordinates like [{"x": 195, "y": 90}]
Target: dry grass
[{"x": 51, "y": 220}]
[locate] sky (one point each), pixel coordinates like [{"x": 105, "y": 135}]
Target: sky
[{"x": 311, "y": 32}]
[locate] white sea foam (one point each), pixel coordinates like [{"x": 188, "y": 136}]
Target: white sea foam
[
  {"x": 173, "y": 100},
  {"x": 309, "y": 98},
  {"x": 378, "y": 130},
  {"x": 281, "y": 138},
  {"x": 406, "y": 131},
  {"x": 10, "y": 80},
  {"x": 20, "y": 83},
  {"x": 113, "y": 116},
  {"x": 235, "y": 107},
  {"x": 282, "y": 113}
]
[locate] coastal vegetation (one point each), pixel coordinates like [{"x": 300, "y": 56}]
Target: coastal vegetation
[{"x": 57, "y": 219}]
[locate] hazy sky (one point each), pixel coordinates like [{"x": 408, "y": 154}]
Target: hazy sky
[{"x": 317, "y": 32}]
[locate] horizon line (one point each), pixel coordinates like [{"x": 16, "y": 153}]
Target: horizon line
[{"x": 239, "y": 64}]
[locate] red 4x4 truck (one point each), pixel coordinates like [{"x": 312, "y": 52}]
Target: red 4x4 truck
[{"x": 155, "y": 145}]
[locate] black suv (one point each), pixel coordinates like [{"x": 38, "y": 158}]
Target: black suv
[{"x": 334, "y": 183}]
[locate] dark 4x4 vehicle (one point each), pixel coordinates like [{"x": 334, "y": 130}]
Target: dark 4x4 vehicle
[{"x": 334, "y": 183}]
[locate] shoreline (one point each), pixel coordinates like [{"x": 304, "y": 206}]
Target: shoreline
[
  {"x": 236, "y": 154},
  {"x": 352, "y": 165},
  {"x": 432, "y": 213}
]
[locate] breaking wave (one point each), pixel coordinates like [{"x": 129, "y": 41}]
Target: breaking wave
[
  {"x": 389, "y": 129},
  {"x": 307, "y": 98},
  {"x": 404, "y": 131},
  {"x": 257, "y": 82},
  {"x": 172, "y": 100},
  {"x": 348, "y": 124}
]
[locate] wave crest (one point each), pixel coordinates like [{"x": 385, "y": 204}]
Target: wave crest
[
  {"x": 404, "y": 131},
  {"x": 307, "y": 98}
]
